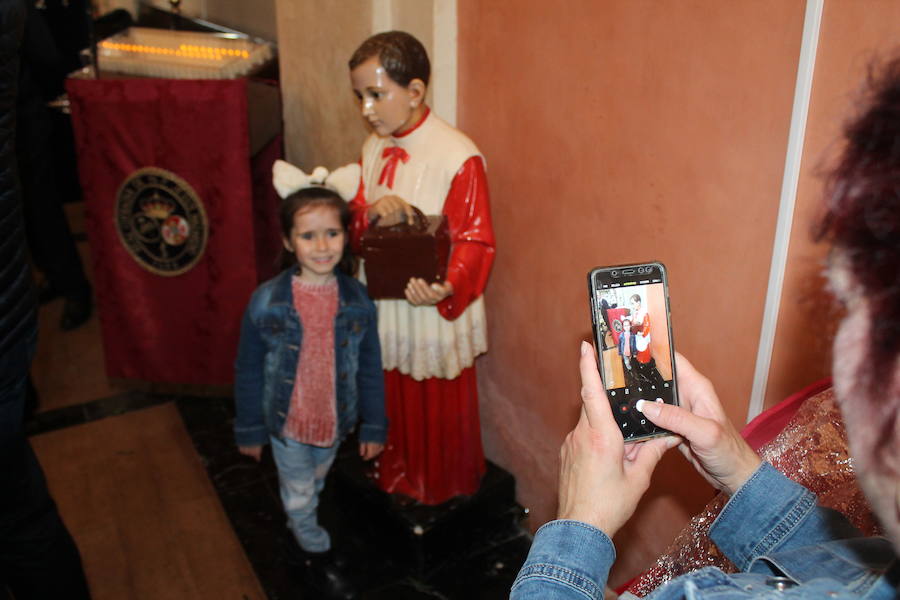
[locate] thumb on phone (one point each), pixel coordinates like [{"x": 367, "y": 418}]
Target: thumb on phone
[
  {"x": 670, "y": 417},
  {"x": 716, "y": 448}
]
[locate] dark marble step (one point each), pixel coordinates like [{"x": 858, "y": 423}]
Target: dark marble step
[
  {"x": 468, "y": 549},
  {"x": 426, "y": 538}
]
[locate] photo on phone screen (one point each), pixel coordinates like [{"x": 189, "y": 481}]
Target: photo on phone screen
[{"x": 633, "y": 338}]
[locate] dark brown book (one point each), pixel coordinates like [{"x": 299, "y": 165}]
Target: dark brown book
[{"x": 395, "y": 254}]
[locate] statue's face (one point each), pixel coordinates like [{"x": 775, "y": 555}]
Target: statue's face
[{"x": 385, "y": 104}]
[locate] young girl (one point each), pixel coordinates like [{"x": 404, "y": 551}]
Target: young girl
[
  {"x": 309, "y": 368},
  {"x": 431, "y": 338},
  {"x": 627, "y": 349}
]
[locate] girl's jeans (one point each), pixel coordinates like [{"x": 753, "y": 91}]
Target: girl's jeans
[{"x": 301, "y": 473}]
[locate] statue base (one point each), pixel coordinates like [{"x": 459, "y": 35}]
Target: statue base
[{"x": 420, "y": 538}]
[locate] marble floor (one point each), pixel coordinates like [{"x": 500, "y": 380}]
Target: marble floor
[{"x": 162, "y": 505}]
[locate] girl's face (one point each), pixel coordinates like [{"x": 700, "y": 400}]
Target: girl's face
[
  {"x": 317, "y": 240},
  {"x": 626, "y": 326},
  {"x": 387, "y": 106}
]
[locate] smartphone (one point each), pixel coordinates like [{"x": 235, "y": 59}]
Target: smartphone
[{"x": 633, "y": 339}]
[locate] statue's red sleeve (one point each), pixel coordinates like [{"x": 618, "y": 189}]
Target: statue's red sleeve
[
  {"x": 467, "y": 207},
  {"x": 359, "y": 221}
]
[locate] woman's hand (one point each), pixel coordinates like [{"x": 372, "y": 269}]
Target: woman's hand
[
  {"x": 254, "y": 452},
  {"x": 600, "y": 481},
  {"x": 391, "y": 210},
  {"x": 711, "y": 442},
  {"x": 369, "y": 450},
  {"x": 419, "y": 293}
]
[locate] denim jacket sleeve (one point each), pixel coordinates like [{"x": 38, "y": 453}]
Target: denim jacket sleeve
[
  {"x": 770, "y": 513},
  {"x": 249, "y": 423},
  {"x": 370, "y": 383},
  {"x": 771, "y": 526},
  {"x": 568, "y": 559}
]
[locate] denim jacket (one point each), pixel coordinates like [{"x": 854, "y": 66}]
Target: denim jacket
[
  {"x": 266, "y": 365},
  {"x": 784, "y": 543}
]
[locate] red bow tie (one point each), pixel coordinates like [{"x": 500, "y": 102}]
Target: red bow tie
[{"x": 394, "y": 155}]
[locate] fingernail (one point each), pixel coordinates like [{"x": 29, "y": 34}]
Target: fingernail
[
  {"x": 584, "y": 347},
  {"x": 651, "y": 409}
]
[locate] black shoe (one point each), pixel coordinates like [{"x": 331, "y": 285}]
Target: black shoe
[
  {"x": 323, "y": 573},
  {"x": 76, "y": 312}
]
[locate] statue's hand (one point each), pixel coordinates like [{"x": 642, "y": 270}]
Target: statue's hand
[
  {"x": 419, "y": 293},
  {"x": 391, "y": 210}
]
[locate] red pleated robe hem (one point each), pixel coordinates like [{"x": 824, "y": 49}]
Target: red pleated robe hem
[{"x": 433, "y": 450}]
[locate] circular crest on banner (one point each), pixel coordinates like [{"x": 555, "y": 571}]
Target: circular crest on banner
[{"x": 161, "y": 221}]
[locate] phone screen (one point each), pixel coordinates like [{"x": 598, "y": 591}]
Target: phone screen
[{"x": 633, "y": 338}]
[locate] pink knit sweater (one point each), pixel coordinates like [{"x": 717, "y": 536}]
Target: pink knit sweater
[{"x": 312, "y": 418}]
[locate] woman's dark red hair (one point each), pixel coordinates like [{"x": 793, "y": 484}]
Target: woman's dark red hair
[
  {"x": 861, "y": 221},
  {"x": 862, "y": 212}
]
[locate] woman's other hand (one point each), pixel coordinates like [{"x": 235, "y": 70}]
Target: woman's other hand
[
  {"x": 420, "y": 293},
  {"x": 391, "y": 210},
  {"x": 601, "y": 481},
  {"x": 711, "y": 442}
]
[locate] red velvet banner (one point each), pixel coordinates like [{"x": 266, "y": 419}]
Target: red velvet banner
[
  {"x": 616, "y": 315},
  {"x": 172, "y": 278}
]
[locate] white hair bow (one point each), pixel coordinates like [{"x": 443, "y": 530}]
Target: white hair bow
[{"x": 288, "y": 179}]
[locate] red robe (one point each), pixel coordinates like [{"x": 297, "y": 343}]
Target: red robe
[
  {"x": 643, "y": 327},
  {"x": 434, "y": 450}
]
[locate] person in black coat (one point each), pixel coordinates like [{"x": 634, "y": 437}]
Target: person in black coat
[
  {"x": 38, "y": 557},
  {"x": 46, "y": 167}
]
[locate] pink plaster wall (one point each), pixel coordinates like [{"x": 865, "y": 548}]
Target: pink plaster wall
[
  {"x": 619, "y": 131},
  {"x": 659, "y": 335},
  {"x": 853, "y": 35}
]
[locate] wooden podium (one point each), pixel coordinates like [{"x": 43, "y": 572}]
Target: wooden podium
[{"x": 181, "y": 217}]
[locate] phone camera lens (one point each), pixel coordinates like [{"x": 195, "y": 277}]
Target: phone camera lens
[{"x": 615, "y": 273}]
